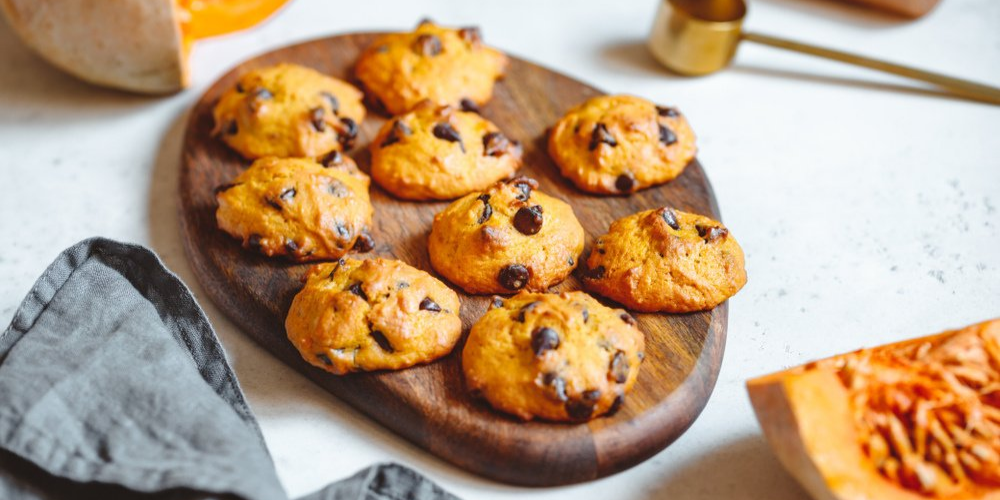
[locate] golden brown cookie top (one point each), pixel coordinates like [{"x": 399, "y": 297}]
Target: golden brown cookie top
[
  {"x": 666, "y": 260},
  {"x": 620, "y": 144},
  {"x": 288, "y": 111},
  {"x": 298, "y": 208},
  {"x": 506, "y": 238},
  {"x": 444, "y": 65},
  {"x": 563, "y": 357},
  {"x": 375, "y": 314},
  {"x": 440, "y": 153}
]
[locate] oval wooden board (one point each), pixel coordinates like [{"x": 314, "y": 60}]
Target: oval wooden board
[{"x": 428, "y": 404}]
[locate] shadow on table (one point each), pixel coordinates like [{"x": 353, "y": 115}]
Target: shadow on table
[
  {"x": 766, "y": 72},
  {"x": 275, "y": 391},
  {"x": 29, "y": 83},
  {"x": 630, "y": 56},
  {"x": 741, "y": 469}
]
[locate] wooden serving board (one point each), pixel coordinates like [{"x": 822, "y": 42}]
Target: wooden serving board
[{"x": 429, "y": 404}]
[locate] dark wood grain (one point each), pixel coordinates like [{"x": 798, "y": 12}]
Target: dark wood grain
[{"x": 428, "y": 404}]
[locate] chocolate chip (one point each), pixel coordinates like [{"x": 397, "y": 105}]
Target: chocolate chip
[
  {"x": 291, "y": 246},
  {"x": 274, "y": 204},
  {"x": 239, "y": 88},
  {"x": 337, "y": 189},
  {"x": 226, "y": 187},
  {"x": 343, "y": 232},
  {"x": 570, "y": 261},
  {"x": 586, "y": 315},
  {"x": 446, "y": 132},
  {"x": 468, "y": 105},
  {"x": 624, "y": 183},
  {"x": 524, "y": 185},
  {"x": 595, "y": 273},
  {"x": 429, "y": 305},
  {"x": 288, "y": 194},
  {"x": 423, "y": 21},
  {"x": 427, "y": 45},
  {"x": 665, "y": 111},
  {"x": 670, "y": 218},
  {"x": 526, "y": 309},
  {"x": 711, "y": 233},
  {"x": 557, "y": 384},
  {"x": 601, "y": 135},
  {"x": 401, "y": 285},
  {"x": 495, "y": 144},
  {"x": 579, "y": 410},
  {"x": 618, "y": 370},
  {"x": 232, "y": 128},
  {"x": 253, "y": 241},
  {"x": 323, "y": 358},
  {"x": 616, "y": 405},
  {"x": 514, "y": 277},
  {"x": 627, "y": 318},
  {"x": 667, "y": 136},
  {"x": 356, "y": 290},
  {"x": 316, "y": 117},
  {"x": 497, "y": 302},
  {"x": 364, "y": 243},
  {"x": 262, "y": 94},
  {"x": 641, "y": 355},
  {"x": 334, "y": 102},
  {"x": 397, "y": 132},
  {"x": 487, "y": 209},
  {"x": 349, "y": 133},
  {"x": 382, "y": 341},
  {"x": 333, "y": 159},
  {"x": 471, "y": 34},
  {"x": 528, "y": 220},
  {"x": 544, "y": 339}
]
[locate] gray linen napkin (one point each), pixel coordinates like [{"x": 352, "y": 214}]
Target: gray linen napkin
[{"x": 114, "y": 385}]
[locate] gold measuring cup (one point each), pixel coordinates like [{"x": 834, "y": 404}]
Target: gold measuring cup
[{"x": 698, "y": 37}]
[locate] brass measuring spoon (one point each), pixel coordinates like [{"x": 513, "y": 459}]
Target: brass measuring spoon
[{"x": 698, "y": 37}]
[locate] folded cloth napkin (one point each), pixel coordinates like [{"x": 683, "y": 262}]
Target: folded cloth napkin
[{"x": 114, "y": 385}]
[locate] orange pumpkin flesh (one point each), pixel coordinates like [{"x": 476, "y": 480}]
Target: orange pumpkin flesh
[
  {"x": 915, "y": 420},
  {"x": 200, "y": 19}
]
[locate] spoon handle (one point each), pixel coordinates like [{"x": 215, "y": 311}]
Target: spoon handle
[{"x": 966, "y": 88}]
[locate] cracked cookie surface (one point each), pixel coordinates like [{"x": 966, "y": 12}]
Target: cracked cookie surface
[
  {"x": 298, "y": 208},
  {"x": 376, "y": 314},
  {"x": 666, "y": 260},
  {"x": 444, "y": 65},
  {"x": 441, "y": 153},
  {"x": 288, "y": 111},
  {"x": 507, "y": 238},
  {"x": 560, "y": 357},
  {"x": 619, "y": 144}
]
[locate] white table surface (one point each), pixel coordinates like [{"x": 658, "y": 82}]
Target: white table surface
[{"x": 866, "y": 204}]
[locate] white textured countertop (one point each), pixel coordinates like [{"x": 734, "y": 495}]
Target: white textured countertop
[{"x": 867, "y": 205}]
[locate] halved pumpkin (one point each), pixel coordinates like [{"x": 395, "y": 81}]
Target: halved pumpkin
[
  {"x": 913, "y": 420},
  {"x": 137, "y": 45}
]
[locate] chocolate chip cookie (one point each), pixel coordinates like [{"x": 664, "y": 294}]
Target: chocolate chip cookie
[
  {"x": 561, "y": 357},
  {"x": 378, "y": 314},
  {"x": 507, "y": 238},
  {"x": 666, "y": 260},
  {"x": 298, "y": 208},
  {"x": 288, "y": 111},
  {"x": 620, "y": 144},
  {"x": 441, "y": 153},
  {"x": 444, "y": 65}
]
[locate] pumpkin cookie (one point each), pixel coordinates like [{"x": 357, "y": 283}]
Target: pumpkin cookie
[
  {"x": 562, "y": 357},
  {"x": 666, "y": 260},
  {"x": 504, "y": 239},
  {"x": 441, "y": 153},
  {"x": 378, "y": 314},
  {"x": 447, "y": 66},
  {"x": 620, "y": 144},
  {"x": 288, "y": 111},
  {"x": 297, "y": 208}
]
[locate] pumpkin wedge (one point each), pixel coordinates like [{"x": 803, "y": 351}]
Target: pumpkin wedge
[
  {"x": 914, "y": 420},
  {"x": 136, "y": 45}
]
